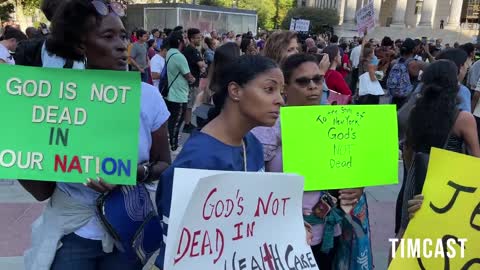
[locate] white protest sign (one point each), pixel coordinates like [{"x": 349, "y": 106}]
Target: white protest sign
[
  {"x": 366, "y": 18},
  {"x": 237, "y": 220},
  {"x": 299, "y": 25}
]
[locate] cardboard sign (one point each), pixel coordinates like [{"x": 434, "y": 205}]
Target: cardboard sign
[
  {"x": 366, "y": 18},
  {"x": 299, "y": 25},
  {"x": 66, "y": 125},
  {"x": 450, "y": 211},
  {"x": 236, "y": 220},
  {"x": 336, "y": 147}
]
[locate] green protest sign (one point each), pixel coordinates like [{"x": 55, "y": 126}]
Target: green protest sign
[
  {"x": 336, "y": 147},
  {"x": 66, "y": 125}
]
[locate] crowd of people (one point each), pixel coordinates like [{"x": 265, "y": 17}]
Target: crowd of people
[{"x": 227, "y": 91}]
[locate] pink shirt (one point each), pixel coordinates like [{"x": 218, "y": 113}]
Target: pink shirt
[{"x": 271, "y": 139}]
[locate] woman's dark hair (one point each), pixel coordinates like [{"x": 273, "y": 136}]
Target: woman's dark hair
[
  {"x": 70, "y": 25},
  {"x": 332, "y": 52},
  {"x": 223, "y": 55},
  {"x": 295, "y": 61},
  {"x": 246, "y": 41},
  {"x": 457, "y": 56},
  {"x": 343, "y": 46},
  {"x": 175, "y": 39},
  {"x": 12, "y": 32},
  {"x": 387, "y": 41},
  {"x": 49, "y": 7},
  {"x": 433, "y": 115},
  {"x": 178, "y": 28},
  {"x": 150, "y": 43},
  {"x": 469, "y": 48},
  {"x": 240, "y": 71},
  {"x": 209, "y": 42}
]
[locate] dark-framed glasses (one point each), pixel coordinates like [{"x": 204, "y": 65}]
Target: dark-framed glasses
[
  {"x": 104, "y": 8},
  {"x": 304, "y": 81}
]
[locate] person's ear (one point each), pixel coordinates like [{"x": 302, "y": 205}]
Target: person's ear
[{"x": 234, "y": 91}]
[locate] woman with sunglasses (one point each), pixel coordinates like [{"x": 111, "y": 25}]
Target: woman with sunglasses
[
  {"x": 69, "y": 234},
  {"x": 332, "y": 242}
]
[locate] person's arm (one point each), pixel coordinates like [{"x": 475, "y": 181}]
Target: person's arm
[
  {"x": 40, "y": 190},
  {"x": 159, "y": 155},
  {"x": 467, "y": 127},
  {"x": 184, "y": 69},
  {"x": 371, "y": 72},
  {"x": 476, "y": 97},
  {"x": 430, "y": 57},
  {"x": 340, "y": 85},
  {"x": 156, "y": 68},
  {"x": 134, "y": 63}
]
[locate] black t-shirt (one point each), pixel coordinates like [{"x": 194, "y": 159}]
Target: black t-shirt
[{"x": 193, "y": 57}]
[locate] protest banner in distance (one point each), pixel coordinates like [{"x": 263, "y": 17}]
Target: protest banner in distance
[
  {"x": 299, "y": 25},
  {"x": 452, "y": 203},
  {"x": 365, "y": 18},
  {"x": 236, "y": 220},
  {"x": 336, "y": 147},
  {"x": 66, "y": 125}
]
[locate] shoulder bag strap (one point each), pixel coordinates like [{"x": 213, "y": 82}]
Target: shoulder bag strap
[
  {"x": 457, "y": 112},
  {"x": 176, "y": 77},
  {"x": 244, "y": 155}
]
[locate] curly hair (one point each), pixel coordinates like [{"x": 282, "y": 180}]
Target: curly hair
[
  {"x": 277, "y": 44},
  {"x": 433, "y": 115},
  {"x": 71, "y": 23}
]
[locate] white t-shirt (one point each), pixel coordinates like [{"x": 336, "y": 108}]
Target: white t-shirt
[
  {"x": 154, "y": 114},
  {"x": 157, "y": 63},
  {"x": 6, "y": 56},
  {"x": 355, "y": 56}
]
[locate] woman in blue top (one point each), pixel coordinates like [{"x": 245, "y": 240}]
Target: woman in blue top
[{"x": 247, "y": 95}]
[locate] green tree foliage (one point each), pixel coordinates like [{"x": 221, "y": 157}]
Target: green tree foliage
[
  {"x": 6, "y": 8},
  {"x": 216, "y": 3},
  {"x": 29, "y": 6},
  {"x": 266, "y": 9},
  {"x": 317, "y": 17}
]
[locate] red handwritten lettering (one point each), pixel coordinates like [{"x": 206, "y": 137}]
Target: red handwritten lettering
[{"x": 272, "y": 206}]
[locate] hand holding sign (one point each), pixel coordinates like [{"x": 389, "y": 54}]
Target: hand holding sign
[{"x": 451, "y": 202}]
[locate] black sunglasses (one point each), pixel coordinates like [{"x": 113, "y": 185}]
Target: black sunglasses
[
  {"x": 304, "y": 81},
  {"x": 104, "y": 8}
]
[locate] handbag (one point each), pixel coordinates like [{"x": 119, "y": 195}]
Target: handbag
[
  {"x": 369, "y": 87},
  {"x": 335, "y": 98},
  {"x": 128, "y": 215}
]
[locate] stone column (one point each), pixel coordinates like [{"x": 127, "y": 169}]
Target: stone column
[
  {"x": 428, "y": 10},
  {"x": 455, "y": 13},
  {"x": 377, "y": 4},
  {"x": 399, "y": 13},
  {"x": 350, "y": 10}
]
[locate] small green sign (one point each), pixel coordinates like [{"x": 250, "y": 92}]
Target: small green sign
[
  {"x": 337, "y": 147},
  {"x": 67, "y": 125}
]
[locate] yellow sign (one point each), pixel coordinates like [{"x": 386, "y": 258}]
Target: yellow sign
[
  {"x": 337, "y": 147},
  {"x": 445, "y": 232}
]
